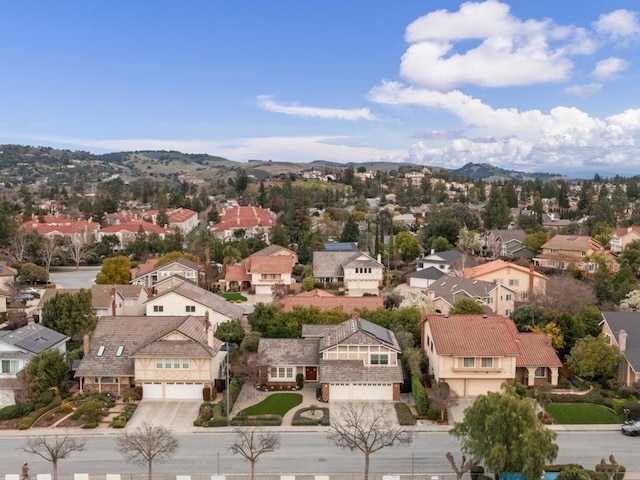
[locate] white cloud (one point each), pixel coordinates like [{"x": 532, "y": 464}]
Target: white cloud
[
  {"x": 608, "y": 68},
  {"x": 510, "y": 51},
  {"x": 618, "y": 25},
  {"x": 266, "y": 102},
  {"x": 583, "y": 90}
]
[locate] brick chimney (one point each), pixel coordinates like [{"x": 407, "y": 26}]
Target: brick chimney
[
  {"x": 113, "y": 300},
  {"x": 532, "y": 271},
  {"x": 622, "y": 340},
  {"x": 85, "y": 343},
  {"x": 209, "y": 329}
]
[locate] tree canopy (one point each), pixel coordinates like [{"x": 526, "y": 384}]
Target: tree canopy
[
  {"x": 115, "y": 270},
  {"x": 71, "y": 314},
  {"x": 592, "y": 357}
]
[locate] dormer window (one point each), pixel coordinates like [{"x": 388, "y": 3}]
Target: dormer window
[{"x": 100, "y": 351}]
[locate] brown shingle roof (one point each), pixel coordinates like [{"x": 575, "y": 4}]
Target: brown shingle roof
[
  {"x": 289, "y": 351},
  {"x": 354, "y": 371}
]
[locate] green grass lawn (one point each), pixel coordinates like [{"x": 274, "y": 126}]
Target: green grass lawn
[
  {"x": 582, "y": 413},
  {"x": 233, "y": 296},
  {"x": 275, "y": 404}
]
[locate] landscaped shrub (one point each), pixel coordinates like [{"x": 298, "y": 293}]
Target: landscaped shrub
[
  {"x": 434, "y": 414},
  {"x": 573, "y": 473},
  {"x": 118, "y": 422},
  {"x": 218, "y": 422},
  {"x": 608, "y": 469},
  {"x": 300, "y": 380},
  {"x": 198, "y": 422},
  {"x": 206, "y": 394},
  {"x": 91, "y": 412},
  {"x": 405, "y": 417},
  {"x": 137, "y": 392},
  {"x": 476, "y": 472},
  {"x": 626, "y": 392},
  {"x": 419, "y": 394},
  {"x": 90, "y": 425},
  {"x": 634, "y": 409},
  {"x": 15, "y": 411},
  {"x": 30, "y": 419},
  {"x": 257, "y": 420},
  {"x": 66, "y": 407}
]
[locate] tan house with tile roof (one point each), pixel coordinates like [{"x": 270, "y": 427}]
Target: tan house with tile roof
[
  {"x": 525, "y": 281},
  {"x": 562, "y": 251},
  {"x": 621, "y": 237},
  {"x": 260, "y": 272},
  {"x": 327, "y": 301},
  {"x": 189, "y": 299},
  {"x": 7, "y": 277},
  {"x": 353, "y": 361},
  {"x": 476, "y": 354},
  {"x": 171, "y": 357}
]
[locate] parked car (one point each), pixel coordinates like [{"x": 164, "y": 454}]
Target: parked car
[{"x": 632, "y": 428}]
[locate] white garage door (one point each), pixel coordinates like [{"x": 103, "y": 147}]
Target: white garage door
[
  {"x": 364, "y": 391},
  {"x": 152, "y": 390},
  {"x": 180, "y": 390}
]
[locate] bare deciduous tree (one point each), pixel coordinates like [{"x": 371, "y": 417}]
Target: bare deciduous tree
[
  {"x": 442, "y": 397},
  {"x": 146, "y": 444},
  {"x": 250, "y": 368},
  {"x": 279, "y": 292},
  {"x": 564, "y": 294},
  {"x": 464, "y": 467},
  {"x": 48, "y": 251},
  {"x": 54, "y": 449},
  {"x": 17, "y": 247},
  {"x": 79, "y": 248},
  {"x": 612, "y": 469},
  {"x": 366, "y": 428},
  {"x": 251, "y": 444}
]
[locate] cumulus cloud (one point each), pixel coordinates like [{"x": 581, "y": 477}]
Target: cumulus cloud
[
  {"x": 266, "y": 102},
  {"x": 583, "y": 90},
  {"x": 619, "y": 25},
  {"x": 438, "y": 135},
  {"x": 510, "y": 51},
  {"x": 608, "y": 68}
]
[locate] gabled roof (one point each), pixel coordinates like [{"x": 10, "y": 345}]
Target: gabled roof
[
  {"x": 273, "y": 249},
  {"x": 509, "y": 235},
  {"x": 204, "y": 297},
  {"x": 289, "y": 351},
  {"x": 325, "y": 301},
  {"x": 33, "y": 338},
  {"x": 7, "y": 271},
  {"x": 451, "y": 288},
  {"x": 236, "y": 273},
  {"x": 429, "y": 273},
  {"x": 134, "y": 333},
  {"x": 134, "y": 227},
  {"x": 245, "y": 217},
  {"x": 630, "y": 323},
  {"x": 167, "y": 266},
  {"x": 496, "y": 265},
  {"x": 579, "y": 243},
  {"x": 357, "y": 331},
  {"x": 355, "y": 371},
  {"x": 269, "y": 264},
  {"x": 536, "y": 350},
  {"x": 331, "y": 264}
]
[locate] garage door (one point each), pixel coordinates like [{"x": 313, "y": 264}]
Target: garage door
[
  {"x": 361, "y": 391},
  {"x": 152, "y": 390},
  {"x": 180, "y": 390}
]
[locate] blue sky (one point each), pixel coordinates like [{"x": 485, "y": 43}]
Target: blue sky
[{"x": 535, "y": 86}]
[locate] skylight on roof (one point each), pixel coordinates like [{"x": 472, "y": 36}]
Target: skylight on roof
[
  {"x": 100, "y": 351},
  {"x": 119, "y": 351}
]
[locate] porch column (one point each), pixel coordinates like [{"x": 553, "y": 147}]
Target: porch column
[
  {"x": 531, "y": 376},
  {"x": 555, "y": 373}
]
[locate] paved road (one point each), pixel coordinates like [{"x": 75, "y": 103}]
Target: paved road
[{"x": 310, "y": 453}]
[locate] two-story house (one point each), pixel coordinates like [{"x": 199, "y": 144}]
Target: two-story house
[
  {"x": 354, "y": 361},
  {"x": 476, "y": 354},
  {"x": 183, "y": 220},
  {"x": 261, "y": 271},
  {"x": 189, "y": 299},
  {"x": 251, "y": 221},
  {"x": 445, "y": 261},
  {"x": 502, "y": 243},
  {"x": 562, "y": 251},
  {"x": 127, "y": 233},
  {"x": 622, "y": 329},
  {"x": 172, "y": 357},
  {"x": 181, "y": 266},
  {"x": 621, "y": 237},
  {"x": 525, "y": 281},
  {"x": 494, "y": 296},
  {"x": 357, "y": 271}
]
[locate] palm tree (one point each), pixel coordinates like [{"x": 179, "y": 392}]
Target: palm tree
[{"x": 231, "y": 255}]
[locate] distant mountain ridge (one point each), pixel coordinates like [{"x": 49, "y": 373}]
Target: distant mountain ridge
[{"x": 489, "y": 173}]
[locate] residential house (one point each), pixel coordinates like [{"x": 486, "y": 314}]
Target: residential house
[
  {"x": 447, "y": 261},
  {"x": 183, "y": 220},
  {"x": 327, "y": 301},
  {"x": 17, "y": 347},
  {"x": 502, "y": 243},
  {"x": 62, "y": 227},
  {"x": 621, "y": 237},
  {"x": 262, "y": 270},
  {"x": 562, "y": 251},
  {"x": 494, "y": 296},
  {"x": 250, "y": 221},
  {"x": 622, "y": 329},
  {"x": 525, "y": 281},
  {"x": 551, "y": 221},
  {"x": 127, "y": 233},
  {"x": 7, "y": 277},
  {"x": 476, "y": 354},
  {"x": 357, "y": 271},
  {"x": 189, "y": 299},
  {"x": 172, "y": 357},
  {"x": 424, "y": 278},
  {"x": 354, "y": 361},
  {"x": 181, "y": 266}
]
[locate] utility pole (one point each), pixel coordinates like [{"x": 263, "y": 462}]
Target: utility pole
[{"x": 228, "y": 406}]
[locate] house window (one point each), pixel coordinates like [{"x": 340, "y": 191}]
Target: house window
[
  {"x": 100, "y": 351},
  {"x": 379, "y": 359},
  {"x": 583, "y": 253},
  {"x": 175, "y": 363},
  {"x": 282, "y": 373},
  {"x": 487, "y": 362},
  {"x": 128, "y": 303},
  {"x": 107, "y": 380},
  {"x": 190, "y": 308},
  {"x": 541, "y": 372},
  {"x": 190, "y": 274},
  {"x": 591, "y": 267},
  {"x": 489, "y": 300},
  {"x": 158, "y": 308},
  {"x": 507, "y": 312},
  {"x": 159, "y": 362},
  {"x": 508, "y": 297},
  {"x": 120, "y": 350},
  {"x": 514, "y": 282},
  {"x": 469, "y": 362},
  {"x": 554, "y": 250},
  {"x": 10, "y": 366}
]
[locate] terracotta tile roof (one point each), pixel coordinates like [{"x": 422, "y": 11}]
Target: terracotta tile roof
[
  {"x": 273, "y": 249},
  {"x": 67, "y": 228},
  {"x": 325, "y": 301},
  {"x": 496, "y": 265},
  {"x": 473, "y": 335},
  {"x": 270, "y": 264},
  {"x": 134, "y": 227},
  {"x": 180, "y": 215},
  {"x": 144, "y": 268},
  {"x": 536, "y": 350},
  {"x": 245, "y": 217},
  {"x": 7, "y": 271},
  {"x": 355, "y": 371},
  {"x": 236, "y": 273},
  {"x": 622, "y": 231}
]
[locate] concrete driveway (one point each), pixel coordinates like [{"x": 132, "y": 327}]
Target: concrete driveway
[{"x": 176, "y": 415}]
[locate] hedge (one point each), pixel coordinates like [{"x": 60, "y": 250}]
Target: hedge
[
  {"x": 405, "y": 417},
  {"x": 301, "y": 421},
  {"x": 419, "y": 394},
  {"x": 30, "y": 419},
  {"x": 257, "y": 421}
]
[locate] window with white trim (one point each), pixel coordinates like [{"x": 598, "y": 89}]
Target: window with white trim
[
  {"x": 10, "y": 366},
  {"x": 487, "y": 362},
  {"x": 158, "y": 308},
  {"x": 282, "y": 373},
  {"x": 379, "y": 359},
  {"x": 514, "y": 282},
  {"x": 172, "y": 363},
  {"x": 469, "y": 362},
  {"x": 541, "y": 372}
]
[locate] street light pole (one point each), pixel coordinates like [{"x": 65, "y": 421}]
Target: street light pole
[{"x": 228, "y": 409}]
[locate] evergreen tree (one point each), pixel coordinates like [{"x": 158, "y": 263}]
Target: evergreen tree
[
  {"x": 496, "y": 214},
  {"x": 350, "y": 232}
]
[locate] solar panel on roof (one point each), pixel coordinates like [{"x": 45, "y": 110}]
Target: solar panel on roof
[
  {"x": 340, "y": 247},
  {"x": 376, "y": 330}
]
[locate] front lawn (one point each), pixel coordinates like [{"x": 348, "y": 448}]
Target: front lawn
[
  {"x": 234, "y": 297},
  {"x": 582, "y": 413},
  {"x": 275, "y": 404}
]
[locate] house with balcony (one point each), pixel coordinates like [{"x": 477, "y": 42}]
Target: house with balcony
[
  {"x": 562, "y": 251},
  {"x": 476, "y": 354},
  {"x": 621, "y": 237}
]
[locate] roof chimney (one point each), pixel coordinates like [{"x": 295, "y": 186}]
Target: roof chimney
[
  {"x": 622, "y": 340},
  {"x": 113, "y": 300},
  {"x": 85, "y": 343}
]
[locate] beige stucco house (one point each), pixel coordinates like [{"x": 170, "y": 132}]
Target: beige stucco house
[
  {"x": 562, "y": 251},
  {"x": 476, "y": 354},
  {"x": 181, "y": 267},
  {"x": 526, "y": 282},
  {"x": 494, "y": 296},
  {"x": 357, "y": 271},
  {"x": 171, "y": 357}
]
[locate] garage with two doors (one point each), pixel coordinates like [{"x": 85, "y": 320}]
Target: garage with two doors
[{"x": 172, "y": 390}]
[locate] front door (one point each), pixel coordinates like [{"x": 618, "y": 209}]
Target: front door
[{"x": 311, "y": 374}]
